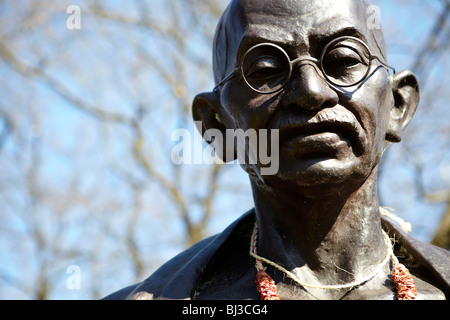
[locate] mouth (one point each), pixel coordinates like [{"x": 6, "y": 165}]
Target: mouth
[{"x": 323, "y": 134}]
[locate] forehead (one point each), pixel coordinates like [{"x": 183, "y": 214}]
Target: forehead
[{"x": 299, "y": 23}]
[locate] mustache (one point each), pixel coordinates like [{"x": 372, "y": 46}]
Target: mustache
[{"x": 336, "y": 119}]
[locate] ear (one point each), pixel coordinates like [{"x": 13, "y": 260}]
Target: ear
[
  {"x": 406, "y": 93},
  {"x": 208, "y": 115}
]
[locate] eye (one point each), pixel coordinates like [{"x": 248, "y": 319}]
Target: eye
[
  {"x": 346, "y": 62},
  {"x": 342, "y": 59},
  {"x": 263, "y": 67}
]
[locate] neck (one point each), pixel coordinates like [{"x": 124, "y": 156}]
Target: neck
[{"x": 327, "y": 236}]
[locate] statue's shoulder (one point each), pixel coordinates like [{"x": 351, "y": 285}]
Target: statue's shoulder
[
  {"x": 151, "y": 287},
  {"x": 422, "y": 257},
  {"x": 177, "y": 277}
]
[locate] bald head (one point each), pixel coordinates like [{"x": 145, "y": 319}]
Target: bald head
[{"x": 299, "y": 22}]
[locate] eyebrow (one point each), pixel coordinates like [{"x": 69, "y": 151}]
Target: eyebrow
[
  {"x": 323, "y": 38},
  {"x": 251, "y": 38}
]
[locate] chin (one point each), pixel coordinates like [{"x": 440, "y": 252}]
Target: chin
[{"x": 319, "y": 173}]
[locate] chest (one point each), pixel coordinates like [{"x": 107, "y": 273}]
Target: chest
[{"x": 244, "y": 288}]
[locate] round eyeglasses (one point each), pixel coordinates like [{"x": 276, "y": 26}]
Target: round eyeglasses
[{"x": 266, "y": 68}]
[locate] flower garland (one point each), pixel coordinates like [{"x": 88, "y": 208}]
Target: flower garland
[{"x": 403, "y": 281}]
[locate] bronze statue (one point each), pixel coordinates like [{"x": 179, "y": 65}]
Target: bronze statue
[{"x": 317, "y": 72}]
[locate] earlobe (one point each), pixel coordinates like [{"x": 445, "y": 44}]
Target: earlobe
[{"x": 406, "y": 96}]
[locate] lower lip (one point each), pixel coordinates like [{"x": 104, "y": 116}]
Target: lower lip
[{"x": 321, "y": 144}]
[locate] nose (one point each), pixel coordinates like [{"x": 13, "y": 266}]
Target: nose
[{"x": 309, "y": 90}]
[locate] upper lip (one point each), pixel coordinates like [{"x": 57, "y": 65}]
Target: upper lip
[{"x": 337, "y": 119}]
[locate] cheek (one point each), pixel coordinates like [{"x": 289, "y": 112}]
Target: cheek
[
  {"x": 371, "y": 106},
  {"x": 247, "y": 109}
]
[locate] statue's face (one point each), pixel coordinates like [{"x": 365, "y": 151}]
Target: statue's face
[{"x": 327, "y": 134}]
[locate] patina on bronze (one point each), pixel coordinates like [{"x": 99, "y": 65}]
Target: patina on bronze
[{"x": 319, "y": 215}]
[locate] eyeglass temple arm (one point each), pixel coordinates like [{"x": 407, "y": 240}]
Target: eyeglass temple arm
[
  {"x": 383, "y": 63},
  {"x": 228, "y": 77}
]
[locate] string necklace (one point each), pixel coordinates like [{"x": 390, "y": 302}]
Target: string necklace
[{"x": 404, "y": 283}]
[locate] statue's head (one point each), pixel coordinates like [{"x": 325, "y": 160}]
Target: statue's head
[{"x": 317, "y": 71}]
